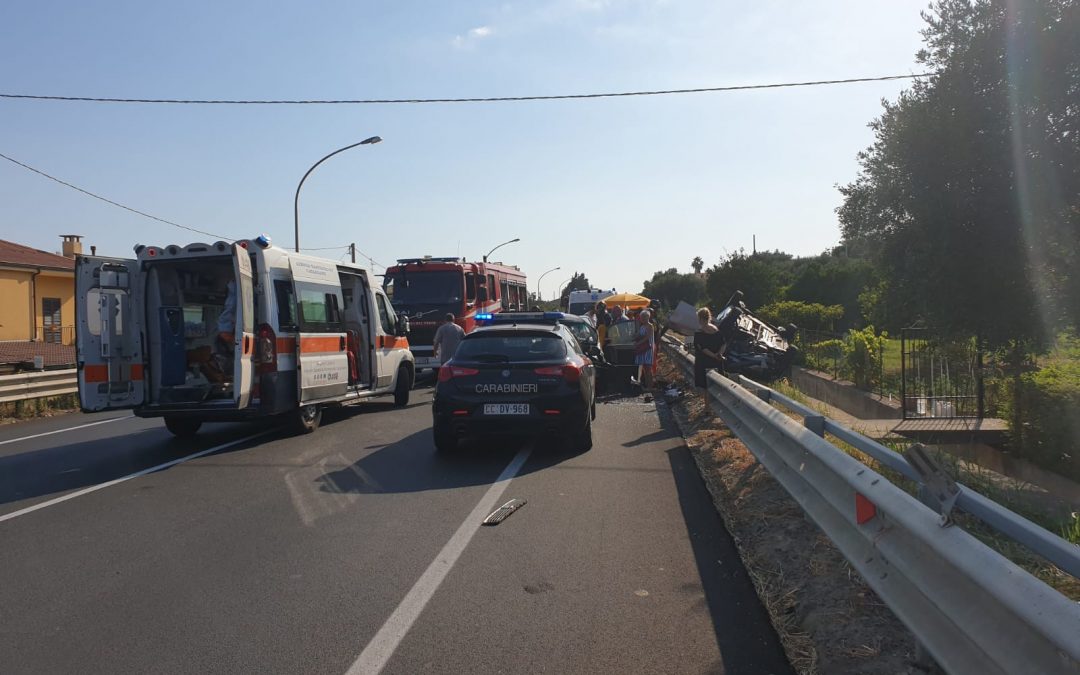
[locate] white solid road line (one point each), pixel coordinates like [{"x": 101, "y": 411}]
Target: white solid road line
[
  {"x": 375, "y": 656},
  {"x": 101, "y": 486},
  {"x": 60, "y": 431}
]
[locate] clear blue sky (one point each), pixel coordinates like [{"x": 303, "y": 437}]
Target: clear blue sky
[{"x": 616, "y": 188}]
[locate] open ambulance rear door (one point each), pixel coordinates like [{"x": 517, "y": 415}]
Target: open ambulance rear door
[
  {"x": 109, "y": 314},
  {"x": 244, "y": 355}
]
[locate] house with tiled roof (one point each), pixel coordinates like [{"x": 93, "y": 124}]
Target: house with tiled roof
[{"x": 37, "y": 292}]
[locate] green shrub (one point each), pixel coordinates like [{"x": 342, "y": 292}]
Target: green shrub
[
  {"x": 826, "y": 356},
  {"x": 809, "y": 315},
  {"x": 1050, "y": 408},
  {"x": 863, "y": 352}
]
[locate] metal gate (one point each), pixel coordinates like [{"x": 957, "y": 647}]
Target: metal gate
[{"x": 939, "y": 378}]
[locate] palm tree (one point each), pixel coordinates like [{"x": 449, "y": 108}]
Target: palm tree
[{"x": 697, "y": 263}]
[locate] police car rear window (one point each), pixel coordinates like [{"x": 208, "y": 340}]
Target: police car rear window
[{"x": 514, "y": 347}]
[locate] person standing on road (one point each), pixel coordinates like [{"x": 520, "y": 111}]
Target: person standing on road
[
  {"x": 603, "y": 320},
  {"x": 447, "y": 339},
  {"x": 708, "y": 346},
  {"x": 644, "y": 349}
]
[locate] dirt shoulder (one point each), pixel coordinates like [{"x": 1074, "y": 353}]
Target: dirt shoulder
[{"x": 828, "y": 620}]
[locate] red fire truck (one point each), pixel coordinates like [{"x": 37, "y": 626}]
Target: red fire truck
[{"x": 426, "y": 289}]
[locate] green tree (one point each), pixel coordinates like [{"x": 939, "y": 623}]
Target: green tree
[
  {"x": 832, "y": 280},
  {"x": 809, "y": 315},
  {"x": 578, "y": 282},
  {"x": 697, "y": 263},
  {"x": 669, "y": 287},
  {"x": 969, "y": 199},
  {"x": 758, "y": 276}
]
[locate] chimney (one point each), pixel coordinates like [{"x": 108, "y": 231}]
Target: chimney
[
  {"x": 93, "y": 250},
  {"x": 72, "y": 245}
]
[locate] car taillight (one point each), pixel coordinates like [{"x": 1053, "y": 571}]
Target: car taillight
[
  {"x": 570, "y": 372},
  {"x": 266, "y": 350},
  {"x": 447, "y": 373}
]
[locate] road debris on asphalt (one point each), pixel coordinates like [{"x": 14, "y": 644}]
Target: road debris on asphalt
[{"x": 503, "y": 512}]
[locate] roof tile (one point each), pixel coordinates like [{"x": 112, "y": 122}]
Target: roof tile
[{"x": 24, "y": 256}]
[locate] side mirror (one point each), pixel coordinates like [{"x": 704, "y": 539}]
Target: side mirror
[{"x": 402, "y": 325}]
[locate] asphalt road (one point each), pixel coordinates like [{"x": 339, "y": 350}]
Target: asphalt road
[{"x": 357, "y": 548}]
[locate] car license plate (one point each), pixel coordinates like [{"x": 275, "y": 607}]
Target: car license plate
[{"x": 506, "y": 408}]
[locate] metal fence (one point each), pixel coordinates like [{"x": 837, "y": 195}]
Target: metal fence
[
  {"x": 940, "y": 378},
  {"x": 824, "y": 351},
  {"x": 57, "y": 335},
  {"x": 971, "y": 609}
]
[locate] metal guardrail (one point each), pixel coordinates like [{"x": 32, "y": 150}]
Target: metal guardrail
[
  {"x": 21, "y": 386},
  {"x": 969, "y": 607}
]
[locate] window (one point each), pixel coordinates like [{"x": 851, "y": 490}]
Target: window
[
  {"x": 504, "y": 293},
  {"x": 95, "y": 300},
  {"x": 319, "y": 308},
  {"x": 470, "y": 287},
  {"x": 50, "y": 320},
  {"x": 386, "y": 317},
  {"x": 491, "y": 288},
  {"x": 286, "y": 305},
  {"x": 512, "y": 347}
]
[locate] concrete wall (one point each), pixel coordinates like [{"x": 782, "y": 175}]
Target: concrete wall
[
  {"x": 15, "y": 305},
  {"x": 844, "y": 395}
]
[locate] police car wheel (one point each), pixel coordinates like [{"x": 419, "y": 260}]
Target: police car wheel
[
  {"x": 306, "y": 419},
  {"x": 182, "y": 427},
  {"x": 445, "y": 442},
  {"x": 401, "y": 390},
  {"x": 583, "y": 439}
]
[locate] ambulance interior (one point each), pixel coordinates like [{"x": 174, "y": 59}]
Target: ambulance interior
[{"x": 191, "y": 317}]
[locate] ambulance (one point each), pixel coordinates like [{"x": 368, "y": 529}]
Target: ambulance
[{"x": 234, "y": 331}]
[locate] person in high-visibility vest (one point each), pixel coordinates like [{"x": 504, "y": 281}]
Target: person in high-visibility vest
[{"x": 603, "y": 320}]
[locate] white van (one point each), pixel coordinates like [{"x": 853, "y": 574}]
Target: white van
[
  {"x": 580, "y": 302},
  {"x": 223, "y": 332}
]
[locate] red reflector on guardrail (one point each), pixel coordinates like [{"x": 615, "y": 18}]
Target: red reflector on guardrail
[{"x": 864, "y": 509}]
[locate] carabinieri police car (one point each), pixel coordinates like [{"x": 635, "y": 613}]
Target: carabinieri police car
[{"x": 519, "y": 373}]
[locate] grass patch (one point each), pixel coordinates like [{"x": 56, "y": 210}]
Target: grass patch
[{"x": 1009, "y": 492}]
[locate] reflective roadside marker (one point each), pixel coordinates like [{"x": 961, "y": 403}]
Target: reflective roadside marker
[{"x": 864, "y": 509}]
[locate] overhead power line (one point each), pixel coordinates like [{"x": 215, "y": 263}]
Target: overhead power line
[
  {"x": 346, "y": 247},
  {"x": 486, "y": 99},
  {"x": 109, "y": 201}
]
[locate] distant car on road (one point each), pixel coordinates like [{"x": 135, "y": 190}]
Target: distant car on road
[{"x": 521, "y": 374}]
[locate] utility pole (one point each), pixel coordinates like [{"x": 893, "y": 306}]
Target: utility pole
[
  {"x": 352, "y": 251},
  {"x": 755, "y": 245}
]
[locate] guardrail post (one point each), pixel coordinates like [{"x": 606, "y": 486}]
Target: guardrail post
[
  {"x": 764, "y": 394},
  {"x": 815, "y": 423}
]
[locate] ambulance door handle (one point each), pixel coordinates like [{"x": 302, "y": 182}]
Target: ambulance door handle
[{"x": 341, "y": 344}]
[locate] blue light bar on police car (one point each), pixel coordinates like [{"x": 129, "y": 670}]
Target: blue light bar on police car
[{"x": 521, "y": 317}]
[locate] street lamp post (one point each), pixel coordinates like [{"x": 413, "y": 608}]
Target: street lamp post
[
  {"x": 562, "y": 287},
  {"x": 296, "y": 201},
  {"x": 539, "y": 293},
  {"x": 512, "y": 241}
]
